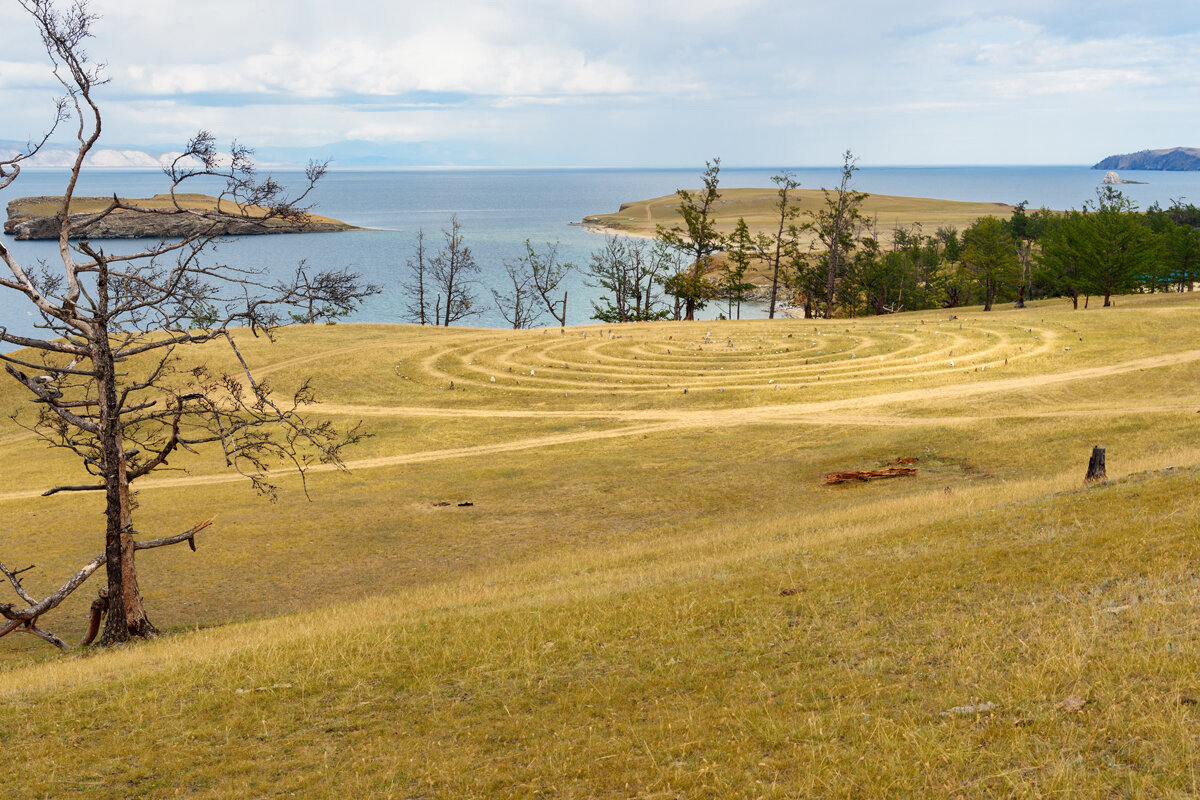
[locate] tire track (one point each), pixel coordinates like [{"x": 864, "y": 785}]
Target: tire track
[{"x": 672, "y": 421}]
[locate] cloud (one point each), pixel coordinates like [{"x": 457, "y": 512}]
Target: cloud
[
  {"x": 762, "y": 80},
  {"x": 428, "y": 61}
]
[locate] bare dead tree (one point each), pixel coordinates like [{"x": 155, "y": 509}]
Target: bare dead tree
[
  {"x": 416, "y": 284},
  {"x": 628, "y": 270},
  {"x": 548, "y": 274},
  {"x": 516, "y": 304},
  {"x": 452, "y": 268},
  {"x": 329, "y": 294},
  {"x": 110, "y": 377},
  {"x": 535, "y": 278}
]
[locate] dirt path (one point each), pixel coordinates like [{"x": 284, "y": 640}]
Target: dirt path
[
  {"x": 848, "y": 411},
  {"x": 787, "y": 411}
]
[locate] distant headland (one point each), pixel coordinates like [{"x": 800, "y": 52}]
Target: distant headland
[
  {"x": 36, "y": 218},
  {"x": 1174, "y": 159}
]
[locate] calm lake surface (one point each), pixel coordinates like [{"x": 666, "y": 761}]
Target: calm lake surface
[{"x": 500, "y": 208}]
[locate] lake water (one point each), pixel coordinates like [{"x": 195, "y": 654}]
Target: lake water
[{"x": 500, "y": 208}]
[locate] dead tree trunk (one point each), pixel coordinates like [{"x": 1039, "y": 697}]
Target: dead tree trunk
[
  {"x": 1095, "y": 471},
  {"x": 126, "y": 617}
]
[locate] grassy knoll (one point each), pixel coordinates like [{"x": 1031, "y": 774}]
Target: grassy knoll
[
  {"x": 757, "y": 206},
  {"x": 654, "y": 593}
]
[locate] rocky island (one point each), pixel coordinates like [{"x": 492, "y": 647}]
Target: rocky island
[
  {"x": 1174, "y": 159},
  {"x": 1113, "y": 179},
  {"x": 36, "y": 218}
]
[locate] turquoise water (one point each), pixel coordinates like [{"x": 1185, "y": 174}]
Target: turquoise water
[{"x": 500, "y": 208}]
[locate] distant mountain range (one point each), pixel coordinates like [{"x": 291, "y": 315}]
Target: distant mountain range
[
  {"x": 56, "y": 155},
  {"x": 1175, "y": 159}
]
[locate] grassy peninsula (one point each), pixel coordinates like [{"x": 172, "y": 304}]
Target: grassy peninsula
[
  {"x": 641, "y": 218},
  {"x": 654, "y": 593}
]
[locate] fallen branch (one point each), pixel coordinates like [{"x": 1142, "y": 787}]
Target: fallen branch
[
  {"x": 50, "y": 602},
  {"x": 188, "y": 536},
  {"x": 24, "y": 620},
  {"x": 869, "y": 475},
  {"x": 30, "y": 626},
  {"x": 85, "y": 488}
]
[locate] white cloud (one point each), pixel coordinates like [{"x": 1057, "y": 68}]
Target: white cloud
[
  {"x": 438, "y": 60},
  {"x": 650, "y": 77}
]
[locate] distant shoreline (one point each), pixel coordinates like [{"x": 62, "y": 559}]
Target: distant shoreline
[{"x": 606, "y": 230}]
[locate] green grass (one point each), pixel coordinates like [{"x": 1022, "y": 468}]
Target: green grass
[{"x": 654, "y": 593}]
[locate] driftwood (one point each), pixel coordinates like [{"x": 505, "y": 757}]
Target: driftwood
[{"x": 869, "y": 475}]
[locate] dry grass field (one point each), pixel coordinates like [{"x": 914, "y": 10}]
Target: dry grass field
[
  {"x": 757, "y": 206},
  {"x": 654, "y": 593}
]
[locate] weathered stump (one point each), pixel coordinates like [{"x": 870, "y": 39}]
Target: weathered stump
[{"x": 1095, "y": 470}]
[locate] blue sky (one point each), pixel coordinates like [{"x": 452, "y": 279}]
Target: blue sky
[{"x": 637, "y": 82}]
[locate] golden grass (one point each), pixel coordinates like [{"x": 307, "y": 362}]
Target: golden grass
[
  {"x": 654, "y": 594},
  {"x": 49, "y": 206},
  {"x": 757, "y": 207}
]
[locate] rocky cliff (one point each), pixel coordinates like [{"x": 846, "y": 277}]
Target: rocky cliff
[
  {"x": 35, "y": 218},
  {"x": 1175, "y": 159}
]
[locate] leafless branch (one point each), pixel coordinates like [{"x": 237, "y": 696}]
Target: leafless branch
[
  {"x": 16, "y": 582},
  {"x": 89, "y": 487},
  {"x": 52, "y": 600},
  {"x": 188, "y": 536}
]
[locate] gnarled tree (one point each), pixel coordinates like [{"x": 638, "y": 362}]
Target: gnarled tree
[
  {"x": 698, "y": 240},
  {"x": 777, "y": 250},
  {"x": 109, "y": 373},
  {"x": 836, "y": 227}
]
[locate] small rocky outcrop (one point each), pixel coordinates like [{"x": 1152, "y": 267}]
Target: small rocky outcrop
[
  {"x": 1113, "y": 179},
  {"x": 32, "y": 218}
]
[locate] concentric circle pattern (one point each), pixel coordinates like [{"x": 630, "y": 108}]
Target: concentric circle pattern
[{"x": 751, "y": 356}]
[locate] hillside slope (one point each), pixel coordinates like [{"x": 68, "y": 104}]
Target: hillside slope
[
  {"x": 1174, "y": 159},
  {"x": 654, "y": 593}
]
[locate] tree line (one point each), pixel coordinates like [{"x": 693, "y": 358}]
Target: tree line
[{"x": 830, "y": 260}]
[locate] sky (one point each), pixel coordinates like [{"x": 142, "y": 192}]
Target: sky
[{"x": 638, "y": 83}]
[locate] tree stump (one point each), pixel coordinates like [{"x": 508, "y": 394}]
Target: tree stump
[{"x": 1095, "y": 470}]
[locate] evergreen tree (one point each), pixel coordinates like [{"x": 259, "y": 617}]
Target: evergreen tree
[
  {"x": 990, "y": 257},
  {"x": 1122, "y": 253},
  {"x": 741, "y": 251},
  {"x": 835, "y": 227}
]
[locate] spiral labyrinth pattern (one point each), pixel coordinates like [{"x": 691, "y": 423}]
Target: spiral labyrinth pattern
[{"x": 750, "y": 356}]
